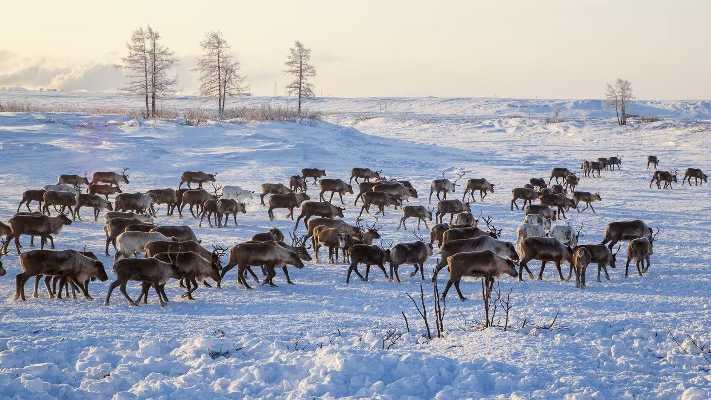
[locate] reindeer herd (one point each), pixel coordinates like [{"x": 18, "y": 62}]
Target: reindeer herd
[{"x": 153, "y": 254}]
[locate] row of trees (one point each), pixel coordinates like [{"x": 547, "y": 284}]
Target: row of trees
[{"x": 148, "y": 61}]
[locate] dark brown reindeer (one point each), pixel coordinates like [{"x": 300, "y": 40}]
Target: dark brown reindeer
[
  {"x": 191, "y": 267},
  {"x": 368, "y": 255},
  {"x": 273, "y": 234},
  {"x": 695, "y": 173},
  {"x": 544, "y": 249},
  {"x": 288, "y": 201},
  {"x": 596, "y": 166},
  {"x": 104, "y": 190},
  {"x": 625, "y": 230},
  {"x": 116, "y": 226},
  {"x": 604, "y": 161},
  {"x": 273, "y": 188},
  {"x": 615, "y": 162},
  {"x": 480, "y": 184},
  {"x": 267, "y": 254},
  {"x": 652, "y": 160},
  {"x": 363, "y": 188},
  {"x": 586, "y": 168},
  {"x": 297, "y": 183},
  {"x": 538, "y": 183},
  {"x": 314, "y": 173},
  {"x": 334, "y": 186},
  {"x": 603, "y": 256},
  {"x": 450, "y": 207},
  {"x": 364, "y": 173},
  {"x": 571, "y": 182},
  {"x": 527, "y": 194},
  {"x": 437, "y": 233},
  {"x": 178, "y": 232},
  {"x": 479, "y": 264},
  {"x": 166, "y": 196},
  {"x": 663, "y": 176},
  {"x": 559, "y": 201},
  {"x": 558, "y": 173},
  {"x": 195, "y": 198},
  {"x": 198, "y": 177},
  {"x": 415, "y": 253},
  {"x": 317, "y": 208},
  {"x": 112, "y": 178},
  {"x": 29, "y": 196},
  {"x": 227, "y": 207},
  {"x": 587, "y": 198},
  {"x": 396, "y": 188},
  {"x": 379, "y": 199},
  {"x": 640, "y": 250},
  {"x": 97, "y": 203},
  {"x": 420, "y": 212},
  {"x": 150, "y": 271},
  {"x": 39, "y": 225}
]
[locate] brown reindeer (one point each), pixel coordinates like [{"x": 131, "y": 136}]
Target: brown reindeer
[
  {"x": 600, "y": 254},
  {"x": 273, "y": 188},
  {"x": 558, "y": 173},
  {"x": 444, "y": 185},
  {"x": 198, "y": 177},
  {"x": 267, "y": 254},
  {"x": 227, "y": 207},
  {"x": 297, "y": 183},
  {"x": 395, "y": 188},
  {"x": 527, "y": 194},
  {"x": 34, "y": 224},
  {"x": 538, "y": 183},
  {"x": 137, "y": 202},
  {"x": 68, "y": 264},
  {"x": 332, "y": 238},
  {"x": 415, "y": 253},
  {"x": 695, "y": 173},
  {"x": 145, "y": 270},
  {"x": 105, "y": 190},
  {"x": 66, "y": 200},
  {"x": 368, "y": 255},
  {"x": 596, "y": 166},
  {"x": 625, "y": 230},
  {"x": 462, "y": 233},
  {"x": 450, "y": 207},
  {"x": 480, "y": 184},
  {"x": 586, "y": 168},
  {"x": 544, "y": 249},
  {"x": 191, "y": 267},
  {"x": 112, "y": 178},
  {"x": 273, "y": 234},
  {"x": 288, "y": 201},
  {"x": 464, "y": 219},
  {"x": 363, "y": 188},
  {"x": 334, "y": 186},
  {"x": 479, "y": 264},
  {"x": 166, "y": 196},
  {"x": 140, "y": 227},
  {"x": 364, "y": 173},
  {"x": 545, "y": 211},
  {"x": 209, "y": 209},
  {"x": 74, "y": 180},
  {"x": 120, "y": 214},
  {"x": 559, "y": 201},
  {"x": 652, "y": 160},
  {"x": 437, "y": 233},
  {"x": 314, "y": 173},
  {"x": 571, "y": 182},
  {"x": 29, "y": 196},
  {"x": 195, "y": 198},
  {"x": 580, "y": 261},
  {"x": 663, "y": 176},
  {"x": 318, "y": 208},
  {"x": 179, "y": 232},
  {"x": 604, "y": 161},
  {"x": 379, "y": 199},
  {"x": 640, "y": 250},
  {"x": 97, "y": 203},
  {"x": 480, "y": 243},
  {"x": 420, "y": 212},
  {"x": 586, "y": 197},
  {"x": 615, "y": 161}
]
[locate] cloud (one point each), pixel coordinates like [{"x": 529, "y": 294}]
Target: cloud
[{"x": 95, "y": 78}]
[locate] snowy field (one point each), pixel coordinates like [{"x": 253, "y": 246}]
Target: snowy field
[{"x": 625, "y": 338}]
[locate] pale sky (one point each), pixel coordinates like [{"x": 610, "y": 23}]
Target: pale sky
[{"x": 525, "y": 49}]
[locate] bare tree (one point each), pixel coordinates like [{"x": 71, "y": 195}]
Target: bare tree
[
  {"x": 160, "y": 60},
  {"x": 618, "y": 96},
  {"x": 135, "y": 66},
  {"x": 220, "y": 74},
  {"x": 299, "y": 67}
]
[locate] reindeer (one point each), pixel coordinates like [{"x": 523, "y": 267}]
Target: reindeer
[
  {"x": 437, "y": 233},
  {"x": 273, "y": 188},
  {"x": 615, "y": 161},
  {"x": 131, "y": 243},
  {"x": 120, "y": 214},
  {"x": 64, "y": 263},
  {"x": 450, "y": 207},
  {"x": 227, "y": 207},
  {"x": 334, "y": 186},
  {"x": 480, "y": 184},
  {"x": 342, "y": 226},
  {"x": 559, "y": 201},
  {"x": 196, "y": 198},
  {"x": 93, "y": 201},
  {"x": 3, "y": 248},
  {"x": 198, "y": 177},
  {"x": 586, "y": 167},
  {"x": 116, "y": 226},
  {"x": 209, "y": 209},
  {"x": 273, "y": 234},
  {"x": 652, "y": 160},
  {"x": 545, "y": 211},
  {"x": 603, "y": 256},
  {"x": 444, "y": 185},
  {"x": 268, "y": 254},
  {"x": 544, "y": 249},
  {"x": 297, "y": 183},
  {"x": 288, "y": 201},
  {"x": 415, "y": 253},
  {"x": 137, "y": 202},
  {"x": 363, "y": 188},
  {"x": 604, "y": 162},
  {"x": 112, "y": 178},
  {"x": 565, "y": 234},
  {"x": 319, "y": 208},
  {"x": 314, "y": 173},
  {"x": 395, "y": 188},
  {"x": 105, "y": 190},
  {"x": 481, "y": 243},
  {"x": 40, "y": 225},
  {"x": 464, "y": 219},
  {"x": 145, "y": 270},
  {"x": 332, "y": 238},
  {"x": 485, "y": 264},
  {"x": 639, "y": 250},
  {"x": 364, "y": 173},
  {"x": 29, "y": 196},
  {"x": 190, "y": 267},
  {"x": 140, "y": 227},
  {"x": 73, "y": 180},
  {"x": 558, "y": 173},
  {"x": 368, "y": 255},
  {"x": 178, "y": 232},
  {"x": 63, "y": 199},
  {"x": 580, "y": 261},
  {"x": 463, "y": 233},
  {"x": 663, "y": 176},
  {"x": 538, "y": 183},
  {"x": 166, "y": 196},
  {"x": 695, "y": 173},
  {"x": 571, "y": 182},
  {"x": 380, "y": 199},
  {"x": 420, "y": 212},
  {"x": 586, "y": 197},
  {"x": 527, "y": 194}
]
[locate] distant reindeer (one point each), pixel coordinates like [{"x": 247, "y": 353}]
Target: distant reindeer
[
  {"x": 415, "y": 253},
  {"x": 318, "y": 208},
  {"x": 73, "y": 180},
  {"x": 653, "y": 161},
  {"x": 663, "y": 176},
  {"x": 544, "y": 249},
  {"x": 273, "y": 188},
  {"x": 297, "y": 183},
  {"x": 480, "y": 264},
  {"x": 450, "y": 207},
  {"x": 363, "y": 188},
  {"x": 105, "y": 190},
  {"x": 420, "y": 212},
  {"x": 527, "y": 194},
  {"x": 288, "y": 201},
  {"x": 640, "y": 250},
  {"x": 695, "y": 173},
  {"x": 558, "y": 173},
  {"x": 364, "y": 173},
  {"x": 112, "y": 178},
  {"x": 29, "y": 196},
  {"x": 334, "y": 186},
  {"x": 444, "y": 185},
  {"x": 586, "y": 168},
  {"x": 586, "y": 197},
  {"x": 596, "y": 166},
  {"x": 480, "y": 184},
  {"x": 314, "y": 173},
  {"x": 625, "y": 230},
  {"x": 604, "y": 162},
  {"x": 571, "y": 182},
  {"x": 198, "y": 177},
  {"x": 559, "y": 201},
  {"x": 615, "y": 161},
  {"x": 379, "y": 199}
]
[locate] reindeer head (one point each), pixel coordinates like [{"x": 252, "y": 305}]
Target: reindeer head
[
  {"x": 299, "y": 245},
  {"x": 493, "y": 230}
]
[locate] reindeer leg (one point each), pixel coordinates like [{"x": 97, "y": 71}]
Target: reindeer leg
[
  {"x": 240, "y": 277},
  {"x": 627, "y": 266},
  {"x": 122, "y": 288},
  {"x": 459, "y": 291},
  {"x": 540, "y": 273},
  {"x": 637, "y": 262},
  {"x": 560, "y": 273},
  {"x": 113, "y": 286},
  {"x": 382, "y": 268},
  {"x": 367, "y": 271}
]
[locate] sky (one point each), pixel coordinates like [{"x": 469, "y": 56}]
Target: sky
[{"x": 520, "y": 49}]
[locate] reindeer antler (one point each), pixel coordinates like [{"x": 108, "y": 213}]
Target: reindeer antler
[
  {"x": 492, "y": 228},
  {"x": 216, "y": 189}
]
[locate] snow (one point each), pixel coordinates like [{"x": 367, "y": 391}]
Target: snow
[{"x": 624, "y": 338}]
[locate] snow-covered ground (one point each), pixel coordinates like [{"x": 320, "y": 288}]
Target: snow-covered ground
[{"x": 624, "y": 338}]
